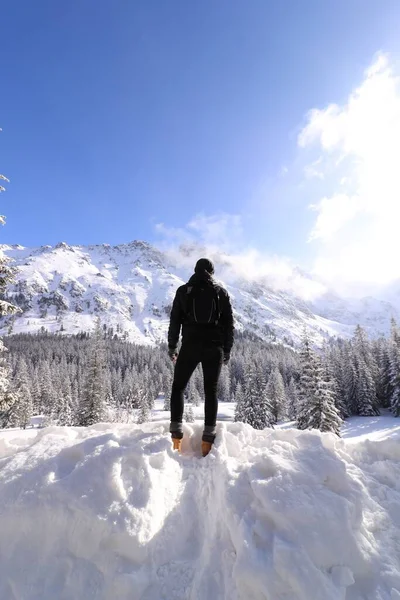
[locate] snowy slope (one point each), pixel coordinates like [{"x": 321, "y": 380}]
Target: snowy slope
[
  {"x": 131, "y": 288},
  {"x": 112, "y": 513}
]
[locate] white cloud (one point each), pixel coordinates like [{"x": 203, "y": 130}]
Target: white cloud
[
  {"x": 217, "y": 233},
  {"x": 220, "y": 238},
  {"x": 359, "y": 216},
  {"x": 333, "y": 213},
  {"x": 314, "y": 170}
]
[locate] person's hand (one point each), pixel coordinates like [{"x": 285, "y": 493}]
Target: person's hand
[
  {"x": 172, "y": 353},
  {"x": 226, "y": 358}
]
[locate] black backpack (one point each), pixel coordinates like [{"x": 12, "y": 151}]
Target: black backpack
[{"x": 202, "y": 304}]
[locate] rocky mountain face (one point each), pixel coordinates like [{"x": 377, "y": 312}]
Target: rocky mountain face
[{"x": 130, "y": 287}]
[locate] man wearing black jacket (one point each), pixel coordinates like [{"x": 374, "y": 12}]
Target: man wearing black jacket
[{"x": 203, "y": 310}]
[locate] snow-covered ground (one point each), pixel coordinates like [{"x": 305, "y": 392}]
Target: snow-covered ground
[{"x": 110, "y": 512}]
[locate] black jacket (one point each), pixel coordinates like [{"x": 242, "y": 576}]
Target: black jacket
[{"x": 221, "y": 334}]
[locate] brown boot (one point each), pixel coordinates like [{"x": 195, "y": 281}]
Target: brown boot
[
  {"x": 205, "y": 447},
  {"x": 177, "y": 444}
]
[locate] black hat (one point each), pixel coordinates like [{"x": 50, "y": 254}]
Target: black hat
[{"x": 203, "y": 264}]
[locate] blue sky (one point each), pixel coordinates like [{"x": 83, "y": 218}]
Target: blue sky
[{"x": 117, "y": 116}]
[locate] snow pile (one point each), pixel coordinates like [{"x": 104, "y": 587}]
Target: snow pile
[{"x": 112, "y": 513}]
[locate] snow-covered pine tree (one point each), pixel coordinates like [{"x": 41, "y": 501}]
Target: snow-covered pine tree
[
  {"x": 224, "y": 385},
  {"x": 394, "y": 373},
  {"x": 7, "y": 274},
  {"x": 147, "y": 383},
  {"x": 92, "y": 407},
  {"x": 66, "y": 408},
  {"x": 144, "y": 413},
  {"x": 129, "y": 395},
  {"x": 188, "y": 415},
  {"x": 144, "y": 398},
  {"x": 47, "y": 392},
  {"x": 275, "y": 391},
  {"x": 196, "y": 401},
  {"x": 167, "y": 400},
  {"x": 7, "y": 395},
  {"x": 395, "y": 402},
  {"x": 382, "y": 357},
  {"x": 292, "y": 396},
  {"x": 75, "y": 397},
  {"x": 109, "y": 398},
  {"x": 323, "y": 413},
  {"x": 240, "y": 400},
  {"x": 335, "y": 371},
  {"x": 317, "y": 407},
  {"x": 366, "y": 389},
  {"x": 246, "y": 412},
  {"x": 189, "y": 392},
  {"x": 349, "y": 379},
  {"x": 166, "y": 387},
  {"x": 22, "y": 410},
  {"x": 255, "y": 409},
  {"x": 308, "y": 382},
  {"x": 263, "y": 410},
  {"x": 366, "y": 366},
  {"x": 36, "y": 393}
]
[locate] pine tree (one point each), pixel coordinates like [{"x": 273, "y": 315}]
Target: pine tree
[
  {"x": 144, "y": 399},
  {"x": 92, "y": 408},
  {"x": 317, "y": 406},
  {"x": 255, "y": 408},
  {"x": 308, "y": 382},
  {"x": 188, "y": 415},
  {"x": 47, "y": 396},
  {"x": 21, "y": 412},
  {"x": 167, "y": 387},
  {"x": 367, "y": 368},
  {"x": 144, "y": 413},
  {"x": 380, "y": 352},
  {"x": 167, "y": 400},
  {"x": 293, "y": 399},
  {"x": 7, "y": 395},
  {"x": 7, "y": 275},
  {"x": 276, "y": 393},
  {"x": 239, "y": 399},
  {"x": 129, "y": 397},
  {"x": 189, "y": 392},
  {"x": 349, "y": 379},
  {"x": 366, "y": 390},
  {"x": 36, "y": 393},
  {"x": 224, "y": 385},
  {"x": 66, "y": 408},
  {"x": 335, "y": 371},
  {"x": 394, "y": 369},
  {"x": 7, "y": 272}
]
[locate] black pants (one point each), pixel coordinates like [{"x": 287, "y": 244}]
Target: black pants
[{"x": 190, "y": 356}]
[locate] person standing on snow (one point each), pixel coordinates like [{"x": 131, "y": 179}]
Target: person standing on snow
[{"x": 203, "y": 309}]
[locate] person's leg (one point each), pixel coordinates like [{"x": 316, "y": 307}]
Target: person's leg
[
  {"x": 211, "y": 363},
  {"x": 185, "y": 365}
]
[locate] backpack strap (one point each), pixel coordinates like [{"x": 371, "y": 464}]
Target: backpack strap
[
  {"x": 188, "y": 303},
  {"x": 217, "y": 290}
]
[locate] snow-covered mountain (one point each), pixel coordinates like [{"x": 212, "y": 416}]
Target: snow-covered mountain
[{"x": 131, "y": 288}]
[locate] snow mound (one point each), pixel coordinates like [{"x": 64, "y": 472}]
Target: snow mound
[{"x": 112, "y": 513}]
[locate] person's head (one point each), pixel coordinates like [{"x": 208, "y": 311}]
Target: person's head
[{"x": 204, "y": 266}]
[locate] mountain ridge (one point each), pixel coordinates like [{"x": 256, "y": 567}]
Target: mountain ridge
[{"x": 131, "y": 287}]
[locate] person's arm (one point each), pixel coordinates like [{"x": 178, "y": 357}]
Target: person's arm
[
  {"x": 227, "y": 322},
  {"x": 175, "y": 323}
]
